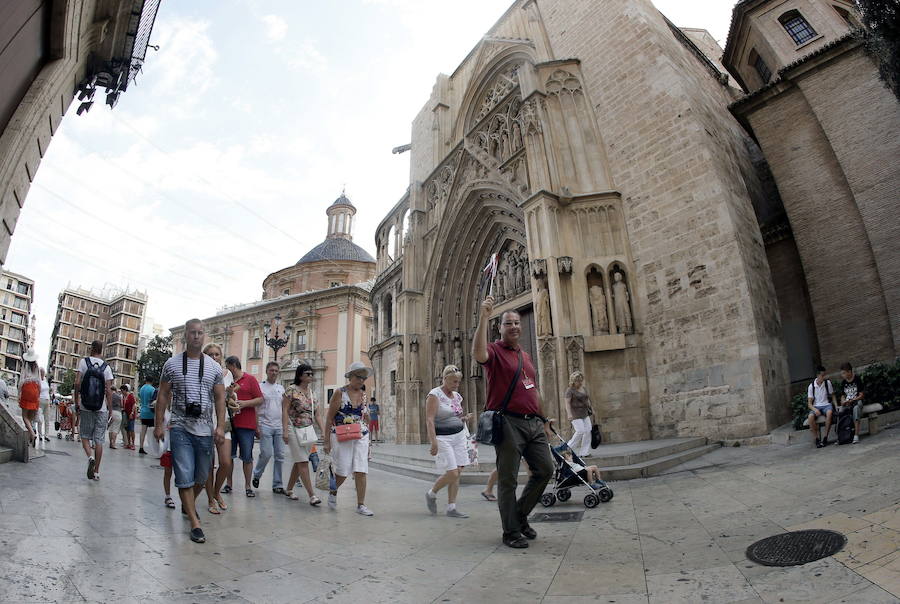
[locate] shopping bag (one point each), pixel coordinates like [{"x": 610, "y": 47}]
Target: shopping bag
[{"x": 323, "y": 474}]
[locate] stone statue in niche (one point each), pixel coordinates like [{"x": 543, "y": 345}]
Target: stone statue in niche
[
  {"x": 599, "y": 318},
  {"x": 414, "y": 359},
  {"x": 621, "y": 299},
  {"x": 544, "y": 325},
  {"x": 457, "y": 354},
  {"x": 438, "y": 357},
  {"x": 400, "y": 371}
]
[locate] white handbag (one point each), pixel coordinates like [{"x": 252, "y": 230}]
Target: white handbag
[{"x": 307, "y": 435}]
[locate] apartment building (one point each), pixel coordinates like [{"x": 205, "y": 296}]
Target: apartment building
[
  {"x": 113, "y": 317},
  {"x": 16, "y": 298}
]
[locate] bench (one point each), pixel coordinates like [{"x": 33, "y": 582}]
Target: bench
[{"x": 869, "y": 412}]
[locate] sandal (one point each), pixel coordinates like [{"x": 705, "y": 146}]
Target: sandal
[
  {"x": 291, "y": 496},
  {"x": 314, "y": 500},
  {"x": 226, "y": 489},
  {"x": 169, "y": 502},
  {"x": 488, "y": 496},
  {"x": 221, "y": 503},
  {"x": 250, "y": 493},
  {"x": 212, "y": 509}
]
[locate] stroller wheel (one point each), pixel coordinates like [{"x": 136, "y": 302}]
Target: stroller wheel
[
  {"x": 606, "y": 495},
  {"x": 563, "y": 495},
  {"x": 548, "y": 499},
  {"x": 59, "y": 436},
  {"x": 591, "y": 500}
]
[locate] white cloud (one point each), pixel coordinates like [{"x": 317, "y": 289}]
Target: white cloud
[
  {"x": 306, "y": 57},
  {"x": 184, "y": 68},
  {"x": 276, "y": 27}
]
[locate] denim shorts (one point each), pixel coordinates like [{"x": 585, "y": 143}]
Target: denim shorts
[
  {"x": 823, "y": 410},
  {"x": 242, "y": 437},
  {"x": 191, "y": 457}
]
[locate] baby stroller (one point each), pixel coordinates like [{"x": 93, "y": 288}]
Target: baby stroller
[
  {"x": 63, "y": 421},
  {"x": 570, "y": 474}
]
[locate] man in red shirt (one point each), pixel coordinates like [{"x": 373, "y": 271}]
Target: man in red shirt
[
  {"x": 243, "y": 423},
  {"x": 524, "y": 429}
]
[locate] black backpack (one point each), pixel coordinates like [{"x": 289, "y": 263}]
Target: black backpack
[
  {"x": 845, "y": 427},
  {"x": 93, "y": 386}
]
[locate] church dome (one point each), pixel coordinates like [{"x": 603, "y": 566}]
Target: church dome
[
  {"x": 336, "y": 248},
  {"x": 343, "y": 200}
]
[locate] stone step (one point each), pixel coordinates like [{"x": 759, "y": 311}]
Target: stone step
[
  {"x": 642, "y": 469},
  {"x": 614, "y": 455},
  {"x": 6, "y": 454}
]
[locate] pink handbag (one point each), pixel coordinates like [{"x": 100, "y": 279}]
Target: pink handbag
[{"x": 348, "y": 431}]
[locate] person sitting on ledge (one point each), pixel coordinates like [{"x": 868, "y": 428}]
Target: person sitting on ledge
[{"x": 821, "y": 401}]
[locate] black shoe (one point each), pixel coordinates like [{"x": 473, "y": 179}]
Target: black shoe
[
  {"x": 825, "y": 442},
  {"x": 226, "y": 489},
  {"x": 529, "y": 532},
  {"x": 515, "y": 541},
  {"x": 197, "y": 535},
  {"x": 141, "y": 451},
  {"x": 256, "y": 483},
  {"x": 278, "y": 490},
  {"x": 819, "y": 444},
  {"x": 90, "y": 468}
]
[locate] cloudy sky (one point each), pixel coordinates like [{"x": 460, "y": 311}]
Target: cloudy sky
[{"x": 215, "y": 169}]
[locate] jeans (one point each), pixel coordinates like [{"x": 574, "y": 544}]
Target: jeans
[
  {"x": 191, "y": 457},
  {"x": 521, "y": 438},
  {"x": 580, "y": 442},
  {"x": 270, "y": 441}
]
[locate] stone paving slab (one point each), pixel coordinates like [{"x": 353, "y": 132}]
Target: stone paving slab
[{"x": 674, "y": 538}]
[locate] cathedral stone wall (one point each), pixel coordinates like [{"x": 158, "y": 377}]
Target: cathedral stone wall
[{"x": 714, "y": 357}]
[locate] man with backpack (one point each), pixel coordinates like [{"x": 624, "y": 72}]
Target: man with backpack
[
  {"x": 93, "y": 393},
  {"x": 821, "y": 401}
]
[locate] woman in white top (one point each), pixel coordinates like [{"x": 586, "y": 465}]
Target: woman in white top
[
  {"x": 44, "y": 407},
  {"x": 445, "y": 422},
  {"x": 223, "y": 450}
]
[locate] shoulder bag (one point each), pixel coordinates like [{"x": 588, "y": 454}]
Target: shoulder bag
[
  {"x": 307, "y": 434},
  {"x": 324, "y": 473},
  {"x": 490, "y": 422}
]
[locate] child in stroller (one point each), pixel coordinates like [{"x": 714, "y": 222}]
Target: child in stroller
[{"x": 571, "y": 472}]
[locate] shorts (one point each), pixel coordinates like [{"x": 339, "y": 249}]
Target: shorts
[
  {"x": 166, "y": 460},
  {"x": 130, "y": 425},
  {"x": 299, "y": 453},
  {"x": 191, "y": 457},
  {"x": 243, "y": 438},
  {"x": 147, "y": 422},
  {"x": 822, "y": 410},
  {"x": 452, "y": 451},
  {"x": 373, "y": 425},
  {"x": 350, "y": 456},
  {"x": 116, "y": 421},
  {"x": 92, "y": 425},
  {"x": 857, "y": 411}
]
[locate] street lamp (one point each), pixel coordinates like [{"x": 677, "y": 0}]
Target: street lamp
[{"x": 276, "y": 342}]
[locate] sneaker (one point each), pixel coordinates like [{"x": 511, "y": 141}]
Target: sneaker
[
  {"x": 431, "y": 502},
  {"x": 515, "y": 541},
  {"x": 90, "y": 469},
  {"x": 197, "y": 535},
  {"x": 332, "y": 501},
  {"x": 454, "y": 513},
  {"x": 141, "y": 451},
  {"x": 255, "y": 482},
  {"x": 97, "y": 476},
  {"x": 855, "y": 439},
  {"x": 362, "y": 510}
]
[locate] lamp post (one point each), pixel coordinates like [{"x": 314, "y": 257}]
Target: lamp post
[{"x": 276, "y": 342}]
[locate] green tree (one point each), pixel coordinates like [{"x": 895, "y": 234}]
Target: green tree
[
  {"x": 66, "y": 387},
  {"x": 158, "y": 351},
  {"x": 882, "y": 37}
]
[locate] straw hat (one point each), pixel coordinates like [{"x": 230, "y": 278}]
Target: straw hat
[
  {"x": 358, "y": 369},
  {"x": 30, "y": 356}
]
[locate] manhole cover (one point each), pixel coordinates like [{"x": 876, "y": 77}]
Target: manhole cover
[
  {"x": 49, "y": 452},
  {"x": 796, "y": 548},
  {"x": 556, "y": 516}
]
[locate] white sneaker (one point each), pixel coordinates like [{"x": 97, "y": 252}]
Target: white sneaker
[
  {"x": 362, "y": 510},
  {"x": 332, "y": 501},
  {"x": 855, "y": 439}
]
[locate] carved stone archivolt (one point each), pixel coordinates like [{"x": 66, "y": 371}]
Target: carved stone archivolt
[
  {"x": 512, "y": 272},
  {"x": 505, "y": 83}
]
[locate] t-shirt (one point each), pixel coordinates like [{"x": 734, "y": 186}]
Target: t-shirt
[
  {"x": 82, "y": 367},
  {"x": 852, "y": 388},
  {"x": 145, "y": 394},
  {"x": 580, "y": 403},
  {"x": 270, "y": 411},
  {"x": 190, "y": 386},
  {"x": 499, "y": 371},
  {"x": 448, "y": 419},
  {"x": 45, "y": 392},
  {"x": 373, "y": 411},
  {"x": 116, "y": 403},
  {"x": 128, "y": 405},
  {"x": 248, "y": 390},
  {"x": 820, "y": 393}
]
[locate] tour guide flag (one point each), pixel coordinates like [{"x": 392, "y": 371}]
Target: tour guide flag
[{"x": 492, "y": 268}]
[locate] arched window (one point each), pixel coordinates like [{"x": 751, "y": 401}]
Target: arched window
[
  {"x": 797, "y": 27},
  {"x": 388, "y": 315},
  {"x": 404, "y": 228},
  {"x": 392, "y": 243},
  {"x": 757, "y": 63}
]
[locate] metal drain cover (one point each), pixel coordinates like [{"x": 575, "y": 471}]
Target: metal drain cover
[
  {"x": 796, "y": 548},
  {"x": 556, "y": 516},
  {"x": 52, "y": 452}
]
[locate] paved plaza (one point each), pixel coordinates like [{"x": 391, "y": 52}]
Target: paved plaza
[{"x": 674, "y": 538}]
